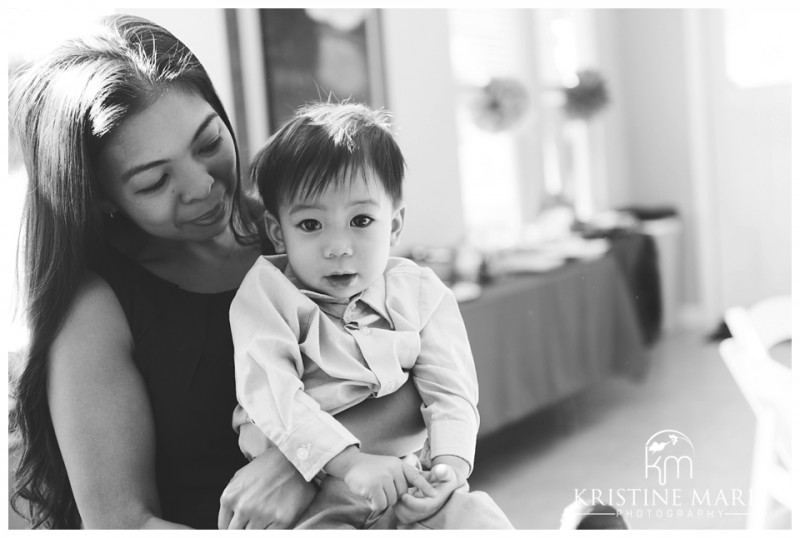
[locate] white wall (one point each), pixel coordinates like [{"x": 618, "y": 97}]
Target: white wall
[
  {"x": 653, "y": 100},
  {"x": 420, "y": 94},
  {"x": 720, "y": 154},
  {"x": 615, "y": 139},
  {"x": 747, "y": 172}
]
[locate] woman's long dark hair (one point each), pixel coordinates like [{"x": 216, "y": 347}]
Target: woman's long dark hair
[{"x": 61, "y": 109}]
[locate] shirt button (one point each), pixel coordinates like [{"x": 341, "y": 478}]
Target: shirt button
[{"x": 303, "y": 452}]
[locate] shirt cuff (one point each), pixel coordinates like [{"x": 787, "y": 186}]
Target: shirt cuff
[
  {"x": 454, "y": 438},
  {"x": 313, "y": 444}
]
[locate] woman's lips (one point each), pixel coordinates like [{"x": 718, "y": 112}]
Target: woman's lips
[{"x": 211, "y": 217}]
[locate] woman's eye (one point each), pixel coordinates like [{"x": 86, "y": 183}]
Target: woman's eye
[
  {"x": 211, "y": 146},
  {"x": 361, "y": 221},
  {"x": 155, "y": 186},
  {"x": 310, "y": 225}
]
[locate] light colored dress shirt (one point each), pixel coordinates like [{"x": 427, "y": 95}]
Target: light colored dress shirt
[{"x": 303, "y": 356}]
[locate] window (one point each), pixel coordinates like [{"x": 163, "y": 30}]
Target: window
[
  {"x": 488, "y": 44},
  {"x": 507, "y": 176},
  {"x": 566, "y": 45},
  {"x": 758, "y": 48}
]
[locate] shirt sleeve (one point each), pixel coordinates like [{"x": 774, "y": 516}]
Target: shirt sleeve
[
  {"x": 266, "y": 322},
  {"x": 444, "y": 373}
]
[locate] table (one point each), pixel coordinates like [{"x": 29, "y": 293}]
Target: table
[
  {"x": 782, "y": 353},
  {"x": 537, "y": 339}
]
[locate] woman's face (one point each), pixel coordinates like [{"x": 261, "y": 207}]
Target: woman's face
[{"x": 171, "y": 168}]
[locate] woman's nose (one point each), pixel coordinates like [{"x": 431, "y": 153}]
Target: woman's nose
[{"x": 196, "y": 185}]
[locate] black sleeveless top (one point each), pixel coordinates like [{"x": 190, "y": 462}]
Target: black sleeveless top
[{"x": 183, "y": 349}]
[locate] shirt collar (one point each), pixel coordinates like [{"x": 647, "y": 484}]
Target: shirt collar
[{"x": 375, "y": 297}]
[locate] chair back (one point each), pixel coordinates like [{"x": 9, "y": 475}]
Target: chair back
[
  {"x": 764, "y": 325},
  {"x": 767, "y": 386}
]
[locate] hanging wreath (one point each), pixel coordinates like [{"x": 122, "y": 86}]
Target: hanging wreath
[
  {"x": 588, "y": 97},
  {"x": 499, "y": 105}
]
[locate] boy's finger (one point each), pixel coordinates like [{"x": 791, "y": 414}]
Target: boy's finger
[
  {"x": 400, "y": 486},
  {"x": 414, "y": 492},
  {"x": 441, "y": 473},
  {"x": 414, "y": 478},
  {"x": 391, "y": 494},
  {"x": 404, "y": 514},
  {"x": 415, "y": 504},
  {"x": 378, "y": 501}
]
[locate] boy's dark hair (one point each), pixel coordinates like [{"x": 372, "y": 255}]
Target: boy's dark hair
[{"x": 327, "y": 144}]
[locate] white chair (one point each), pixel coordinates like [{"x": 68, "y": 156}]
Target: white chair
[
  {"x": 763, "y": 325},
  {"x": 766, "y": 384}
]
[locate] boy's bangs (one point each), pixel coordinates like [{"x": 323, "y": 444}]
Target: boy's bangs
[{"x": 318, "y": 179}]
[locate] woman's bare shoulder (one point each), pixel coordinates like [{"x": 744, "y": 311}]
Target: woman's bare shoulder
[
  {"x": 95, "y": 293},
  {"x": 95, "y": 320}
]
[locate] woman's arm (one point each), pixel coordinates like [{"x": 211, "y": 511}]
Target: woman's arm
[
  {"x": 391, "y": 425},
  {"x": 101, "y": 414},
  {"x": 270, "y": 493}
]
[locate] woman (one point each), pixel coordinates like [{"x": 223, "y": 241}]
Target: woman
[{"x": 137, "y": 233}]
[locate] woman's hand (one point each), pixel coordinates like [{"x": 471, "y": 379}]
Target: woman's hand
[{"x": 267, "y": 493}]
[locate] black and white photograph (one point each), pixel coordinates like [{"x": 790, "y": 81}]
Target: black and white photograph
[{"x": 447, "y": 268}]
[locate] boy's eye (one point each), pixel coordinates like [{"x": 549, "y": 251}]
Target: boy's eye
[
  {"x": 309, "y": 225},
  {"x": 361, "y": 221}
]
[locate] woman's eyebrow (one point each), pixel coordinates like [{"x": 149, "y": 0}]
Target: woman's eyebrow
[
  {"x": 140, "y": 168},
  {"x": 211, "y": 117},
  {"x": 152, "y": 164}
]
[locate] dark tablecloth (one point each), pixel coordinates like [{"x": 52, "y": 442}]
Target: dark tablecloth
[{"x": 537, "y": 339}]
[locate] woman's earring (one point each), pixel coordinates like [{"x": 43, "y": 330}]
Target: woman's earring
[{"x": 112, "y": 214}]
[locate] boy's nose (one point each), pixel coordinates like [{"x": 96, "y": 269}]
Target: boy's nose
[{"x": 337, "y": 248}]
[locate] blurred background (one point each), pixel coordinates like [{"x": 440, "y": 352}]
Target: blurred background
[{"x": 598, "y": 186}]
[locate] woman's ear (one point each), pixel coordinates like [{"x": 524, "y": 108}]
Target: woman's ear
[
  {"x": 107, "y": 207},
  {"x": 398, "y": 219},
  {"x": 274, "y": 232}
]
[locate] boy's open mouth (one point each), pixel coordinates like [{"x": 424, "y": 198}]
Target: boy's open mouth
[{"x": 340, "y": 281}]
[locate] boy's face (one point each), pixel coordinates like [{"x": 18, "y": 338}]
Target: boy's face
[{"x": 338, "y": 244}]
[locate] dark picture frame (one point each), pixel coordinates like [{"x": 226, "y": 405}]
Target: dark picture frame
[{"x": 312, "y": 55}]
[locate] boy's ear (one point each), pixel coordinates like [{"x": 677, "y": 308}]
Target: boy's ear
[
  {"x": 274, "y": 232},
  {"x": 398, "y": 219}
]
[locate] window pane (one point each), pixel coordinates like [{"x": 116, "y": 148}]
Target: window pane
[{"x": 485, "y": 45}]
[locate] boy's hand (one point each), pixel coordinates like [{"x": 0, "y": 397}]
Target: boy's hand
[
  {"x": 379, "y": 479},
  {"x": 416, "y": 505}
]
